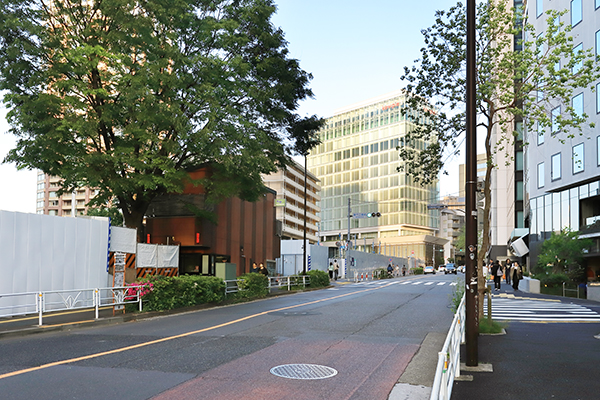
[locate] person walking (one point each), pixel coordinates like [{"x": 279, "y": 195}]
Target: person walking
[
  {"x": 263, "y": 270},
  {"x": 330, "y": 270},
  {"x": 517, "y": 275},
  {"x": 507, "y": 272},
  {"x": 497, "y": 274},
  {"x": 336, "y": 270}
]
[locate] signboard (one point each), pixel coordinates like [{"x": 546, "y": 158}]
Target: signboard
[
  {"x": 279, "y": 202},
  {"x": 360, "y": 215}
]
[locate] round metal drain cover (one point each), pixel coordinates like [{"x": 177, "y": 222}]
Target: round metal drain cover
[{"x": 303, "y": 371}]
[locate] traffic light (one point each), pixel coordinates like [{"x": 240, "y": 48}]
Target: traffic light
[{"x": 374, "y": 214}]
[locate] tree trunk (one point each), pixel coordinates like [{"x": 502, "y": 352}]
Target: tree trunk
[
  {"x": 134, "y": 218},
  {"x": 485, "y": 243}
]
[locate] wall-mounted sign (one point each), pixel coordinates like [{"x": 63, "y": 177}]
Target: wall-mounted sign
[{"x": 279, "y": 202}]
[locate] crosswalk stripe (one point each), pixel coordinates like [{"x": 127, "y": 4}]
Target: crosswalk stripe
[{"x": 527, "y": 309}]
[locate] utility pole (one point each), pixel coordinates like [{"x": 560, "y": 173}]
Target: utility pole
[
  {"x": 471, "y": 323},
  {"x": 348, "y": 241},
  {"x": 304, "y": 242}
]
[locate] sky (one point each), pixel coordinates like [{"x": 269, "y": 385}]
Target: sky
[{"x": 355, "y": 50}]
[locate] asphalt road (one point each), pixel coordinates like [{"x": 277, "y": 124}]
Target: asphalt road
[{"x": 365, "y": 333}]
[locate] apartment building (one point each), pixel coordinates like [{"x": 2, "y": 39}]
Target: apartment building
[
  {"x": 364, "y": 197},
  {"x": 563, "y": 179},
  {"x": 289, "y": 203},
  {"x": 70, "y": 204}
]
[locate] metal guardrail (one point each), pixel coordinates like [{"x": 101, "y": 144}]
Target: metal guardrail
[
  {"x": 448, "y": 365},
  {"x": 45, "y": 302},
  {"x": 232, "y": 286}
]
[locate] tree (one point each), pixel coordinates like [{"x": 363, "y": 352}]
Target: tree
[
  {"x": 510, "y": 85},
  {"x": 127, "y": 96},
  {"x": 563, "y": 254}
]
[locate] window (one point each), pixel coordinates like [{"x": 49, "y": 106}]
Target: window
[
  {"x": 597, "y": 98},
  {"x": 597, "y": 3},
  {"x": 519, "y": 161},
  {"x": 576, "y": 12},
  {"x": 539, "y": 7},
  {"x": 597, "y": 43},
  {"x": 577, "y": 104},
  {"x": 598, "y": 149},
  {"x": 578, "y": 161},
  {"x": 540, "y": 175},
  {"x": 576, "y": 50},
  {"x": 555, "y": 167},
  {"x": 540, "y": 133},
  {"x": 519, "y": 190},
  {"x": 555, "y": 117}
]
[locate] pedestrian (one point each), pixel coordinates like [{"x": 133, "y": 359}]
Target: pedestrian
[
  {"x": 254, "y": 268},
  {"x": 397, "y": 271},
  {"x": 336, "y": 269},
  {"x": 517, "y": 274},
  {"x": 390, "y": 270},
  {"x": 330, "y": 269},
  {"x": 507, "y": 273},
  {"x": 497, "y": 274},
  {"x": 263, "y": 270},
  {"x": 404, "y": 270}
]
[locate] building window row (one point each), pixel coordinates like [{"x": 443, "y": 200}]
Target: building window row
[{"x": 578, "y": 158}]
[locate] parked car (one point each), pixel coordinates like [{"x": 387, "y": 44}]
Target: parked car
[
  {"x": 450, "y": 269},
  {"x": 428, "y": 270},
  {"x": 461, "y": 268}
]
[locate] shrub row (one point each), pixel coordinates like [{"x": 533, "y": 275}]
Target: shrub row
[{"x": 166, "y": 293}]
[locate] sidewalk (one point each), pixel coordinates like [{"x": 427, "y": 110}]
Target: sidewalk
[{"x": 536, "y": 360}]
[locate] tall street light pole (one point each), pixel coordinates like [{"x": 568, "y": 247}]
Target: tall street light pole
[{"x": 471, "y": 312}]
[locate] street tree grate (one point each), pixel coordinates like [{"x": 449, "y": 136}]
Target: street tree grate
[{"x": 303, "y": 371}]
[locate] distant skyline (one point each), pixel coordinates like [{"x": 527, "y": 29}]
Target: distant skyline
[{"x": 355, "y": 51}]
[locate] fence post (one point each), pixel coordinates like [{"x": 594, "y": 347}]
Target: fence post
[
  {"x": 97, "y": 301},
  {"x": 289, "y": 283},
  {"x": 40, "y": 307}
]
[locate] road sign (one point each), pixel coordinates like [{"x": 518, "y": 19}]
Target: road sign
[{"x": 360, "y": 215}]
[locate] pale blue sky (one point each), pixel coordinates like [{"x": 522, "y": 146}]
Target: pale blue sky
[{"x": 354, "y": 49}]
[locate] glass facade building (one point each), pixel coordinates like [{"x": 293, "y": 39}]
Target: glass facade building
[{"x": 357, "y": 164}]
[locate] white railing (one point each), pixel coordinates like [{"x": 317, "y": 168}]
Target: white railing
[
  {"x": 448, "y": 365},
  {"x": 44, "y": 302},
  {"x": 232, "y": 286},
  {"x": 289, "y": 281}
]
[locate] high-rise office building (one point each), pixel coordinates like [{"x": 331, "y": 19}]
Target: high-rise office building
[
  {"x": 563, "y": 179},
  {"x": 357, "y": 164}
]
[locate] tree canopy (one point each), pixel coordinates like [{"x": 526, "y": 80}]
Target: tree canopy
[
  {"x": 127, "y": 96},
  {"x": 517, "y": 80},
  {"x": 563, "y": 253}
]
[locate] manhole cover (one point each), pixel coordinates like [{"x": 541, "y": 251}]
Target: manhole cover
[{"x": 303, "y": 371}]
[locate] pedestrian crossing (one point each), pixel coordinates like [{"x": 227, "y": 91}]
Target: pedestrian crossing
[
  {"x": 412, "y": 283},
  {"x": 508, "y": 307}
]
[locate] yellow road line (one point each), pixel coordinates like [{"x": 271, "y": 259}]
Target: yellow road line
[{"x": 166, "y": 339}]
